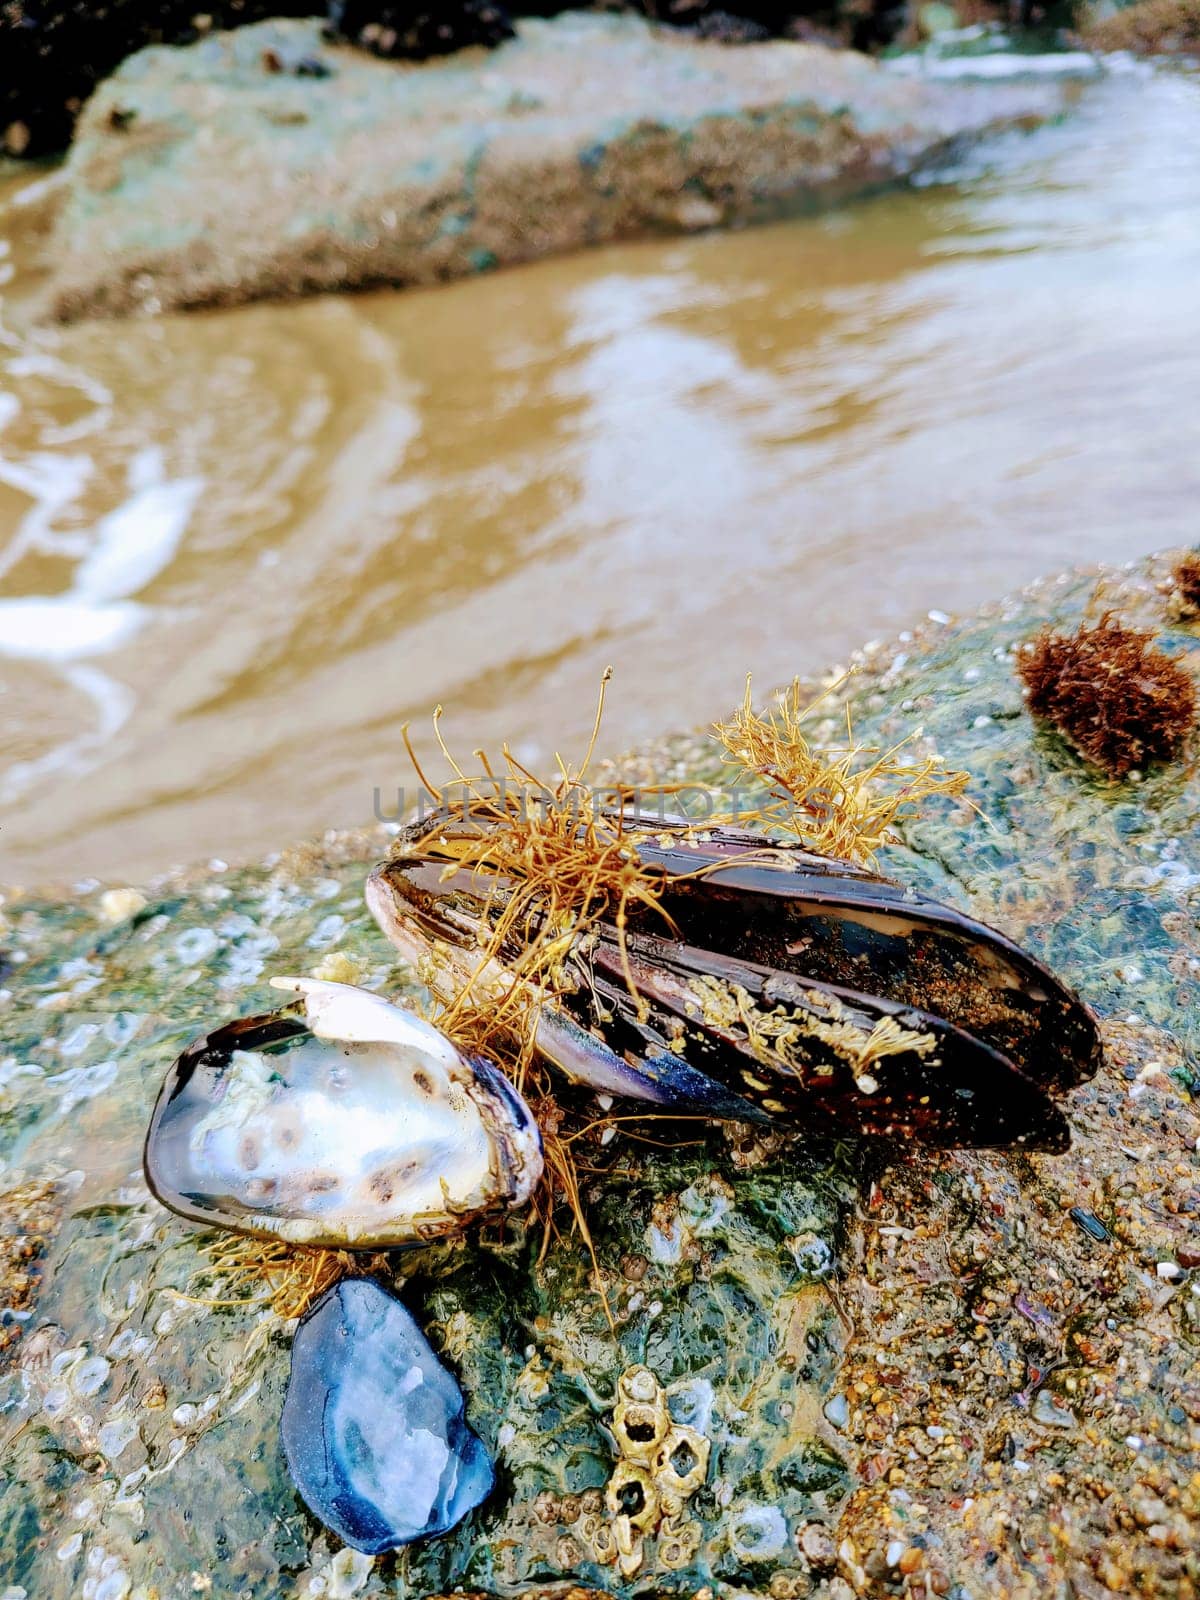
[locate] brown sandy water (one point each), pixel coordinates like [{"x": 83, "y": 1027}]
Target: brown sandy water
[{"x": 238, "y": 550}]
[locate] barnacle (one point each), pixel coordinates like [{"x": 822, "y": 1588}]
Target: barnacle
[
  {"x": 660, "y": 1465},
  {"x": 1112, "y": 694}
]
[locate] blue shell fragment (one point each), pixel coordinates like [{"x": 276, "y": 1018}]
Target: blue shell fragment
[{"x": 373, "y": 1425}]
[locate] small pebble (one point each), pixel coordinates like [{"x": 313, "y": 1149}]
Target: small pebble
[
  {"x": 1047, "y": 1408},
  {"x": 817, "y": 1546},
  {"x": 837, "y": 1411},
  {"x": 16, "y": 139},
  {"x": 117, "y": 905}
]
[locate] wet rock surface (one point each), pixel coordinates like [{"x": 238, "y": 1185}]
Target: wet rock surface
[
  {"x": 907, "y": 1370},
  {"x": 202, "y": 176},
  {"x": 1147, "y": 28}
]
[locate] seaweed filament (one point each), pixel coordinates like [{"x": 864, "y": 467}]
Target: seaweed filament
[
  {"x": 288, "y": 1278},
  {"x": 843, "y": 803}
]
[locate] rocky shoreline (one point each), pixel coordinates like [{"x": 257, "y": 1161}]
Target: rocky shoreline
[
  {"x": 969, "y": 1374},
  {"x": 266, "y": 162}
]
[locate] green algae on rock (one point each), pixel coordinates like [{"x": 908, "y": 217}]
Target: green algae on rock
[
  {"x": 198, "y": 178},
  {"x": 907, "y": 1366}
]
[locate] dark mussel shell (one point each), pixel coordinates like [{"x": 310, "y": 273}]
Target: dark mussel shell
[
  {"x": 952, "y": 1090},
  {"x": 795, "y": 912},
  {"x": 821, "y": 941}
]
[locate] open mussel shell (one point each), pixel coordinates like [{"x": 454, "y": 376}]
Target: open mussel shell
[
  {"x": 843, "y": 961},
  {"x": 341, "y": 1121}
]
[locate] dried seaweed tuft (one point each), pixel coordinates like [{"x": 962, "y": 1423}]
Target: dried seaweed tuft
[
  {"x": 1185, "y": 576},
  {"x": 1118, "y": 699},
  {"x": 844, "y": 802},
  {"x": 245, "y": 1271}
]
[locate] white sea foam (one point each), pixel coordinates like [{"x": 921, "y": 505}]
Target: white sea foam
[
  {"x": 127, "y": 549},
  {"x": 139, "y": 539},
  {"x": 118, "y": 557},
  {"x": 1008, "y": 64},
  {"x": 64, "y": 628}
]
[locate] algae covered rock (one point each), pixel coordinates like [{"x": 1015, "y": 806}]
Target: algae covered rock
[
  {"x": 141, "y": 1414},
  {"x": 198, "y": 176},
  {"x": 877, "y": 1368}
]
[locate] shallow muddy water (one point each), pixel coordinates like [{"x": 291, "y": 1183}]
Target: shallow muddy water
[{"x": 239, "y": 550}]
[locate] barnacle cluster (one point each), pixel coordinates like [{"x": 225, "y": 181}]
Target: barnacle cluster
[
  {"x": 661, "y": 1463},
  {"x": 1111, "y": 693}
]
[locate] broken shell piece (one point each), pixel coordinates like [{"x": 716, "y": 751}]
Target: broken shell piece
[
  {"x": 373, "y": 1425},
  {"x": 341, "y": 1121}
]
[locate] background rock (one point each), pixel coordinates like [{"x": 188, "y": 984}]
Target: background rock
[
  {"x": 1148, "y": 28},
  {"x": 217, "y": 174},
  {"x": 54, "y": 52}
]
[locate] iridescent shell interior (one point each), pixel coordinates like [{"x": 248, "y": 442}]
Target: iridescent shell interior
[{"x": 360, "y": 1127}]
